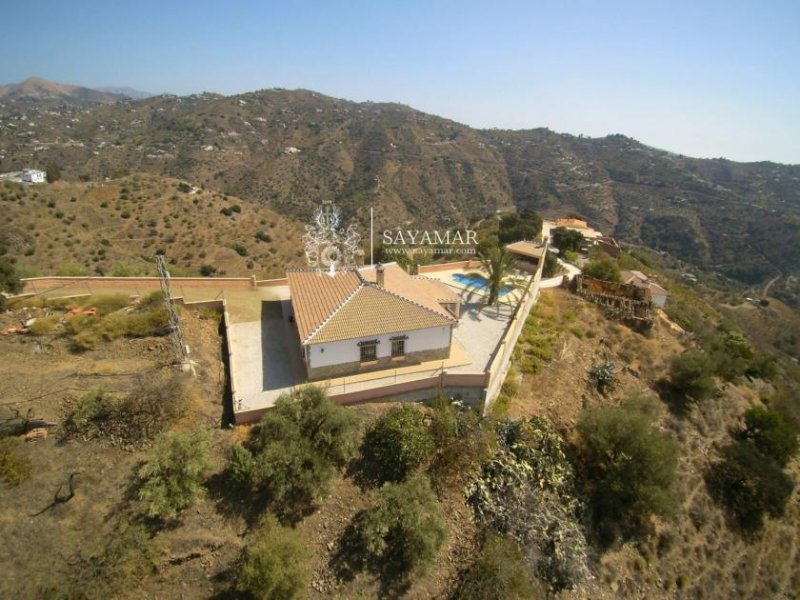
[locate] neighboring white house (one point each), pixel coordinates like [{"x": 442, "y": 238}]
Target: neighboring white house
[
  {"x": 33, "y": 176},
  {"x": 658, "y": 295},
  {"x": 370, "y": 318}
]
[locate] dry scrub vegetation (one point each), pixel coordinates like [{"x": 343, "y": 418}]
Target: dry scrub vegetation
[
  {"x": 116, "y": 227},
  {"x": 583, "y": 483}
]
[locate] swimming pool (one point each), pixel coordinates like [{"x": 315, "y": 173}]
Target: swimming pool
[{"x": 474, "y": 281}]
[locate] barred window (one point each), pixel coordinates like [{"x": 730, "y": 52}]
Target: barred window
[
  {"x": 398, "y": 347},
  {"x": 369, "y": 352}
]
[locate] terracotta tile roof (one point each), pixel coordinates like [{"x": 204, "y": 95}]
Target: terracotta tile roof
[
  {"x": 430, "y": 293},
  {"x": 373, "y": 311},
  {"x": 348, "y": 305},
  {"x": 528, "y": 249},
  {"x": 315, "y": 296}
]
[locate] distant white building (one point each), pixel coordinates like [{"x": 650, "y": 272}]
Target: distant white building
[{"x": 34, "y": 176}]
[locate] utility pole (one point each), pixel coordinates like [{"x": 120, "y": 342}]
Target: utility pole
[
  {"x": 371, "y": 235},
  {"x": 176, "y": 335}
]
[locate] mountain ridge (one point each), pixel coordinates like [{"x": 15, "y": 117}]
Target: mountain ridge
[
  {"x": 291, "y": 149},
  {"x": 38, "y": 88}
]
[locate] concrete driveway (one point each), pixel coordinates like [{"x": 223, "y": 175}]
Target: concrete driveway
[
  {"x": 266, "y": 357},
  {"x": 479, "y": 331}
]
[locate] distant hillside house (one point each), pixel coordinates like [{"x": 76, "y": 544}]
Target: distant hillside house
[
  {"x": 609, "y": 245},
  {"x": 33, "y": 176},
  {"x": 576, "y": 224},
  {"x": 528, "y": 255},
  {"x": 370, "y": 318},
  {"x": 658, "y": 295}
]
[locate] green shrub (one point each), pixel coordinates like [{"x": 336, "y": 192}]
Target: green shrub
[
  {"x": 627, "y": 466},
  {"x": 87, "y": 339},
  {"x": 510, "y": 385},
  {"x": 302, "y": 441},
  {"x": 604, "y": 269},
  {"x": 750, "y": 485},
  {"x": 9, "y": 280},
  {"x": 551, "y": 266},
  {"x": 80, "y": 323},
  {"x": 405, "y": 529},
  {"x": 93, "y": 407},
  {"x": 689, "y": 377},
  {"x": 120, "y": 324},
  {"x": 172, "y": 479},
  {"x": 329, "y": 428},
  {"x": 566, "y": 239},
  {"x": 240, "y": 249},
  {"x": 771, "y": 434},
  {"x": 44, "y": 325},
  {"x": 275, "y": 564},
  {"x": 603, "y": 378},
  {"x": 498, "y": 573},
  {"x": 15, "y": 467},
  {"x": 153, "y": 300},
  {"x": 241, "y": 465},
  {"x": 396, "y": 444},
  {"x": 462, "y": 443},
  {"x": 108, "y": 304}
]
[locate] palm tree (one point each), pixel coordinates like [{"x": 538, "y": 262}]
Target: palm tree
[{"x": 499, "y": 265}]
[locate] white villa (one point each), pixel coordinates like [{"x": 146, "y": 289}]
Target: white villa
[
  {"x": 371, "y": 318},
  {"x": 33, "y": 176}
]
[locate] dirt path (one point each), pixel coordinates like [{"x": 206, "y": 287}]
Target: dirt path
[{"x": 769, "y": 285}]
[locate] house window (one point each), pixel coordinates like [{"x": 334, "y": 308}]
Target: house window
[
  {"x": 369, "y": 352},
  {"x": 398, "y": 347}
]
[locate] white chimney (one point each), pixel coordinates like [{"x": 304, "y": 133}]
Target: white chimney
[{"x": 379, "y": 274}]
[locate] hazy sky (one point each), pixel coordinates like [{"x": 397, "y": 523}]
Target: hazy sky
[{"x": 700, "y": 78}]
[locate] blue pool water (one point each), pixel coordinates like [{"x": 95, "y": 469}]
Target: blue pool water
[{"x": 478, "y": 282}]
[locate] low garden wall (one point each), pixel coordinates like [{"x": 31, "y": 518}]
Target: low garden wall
[
  {"x": 461, "y": 264},
  {"x": 501, "y": 361}
]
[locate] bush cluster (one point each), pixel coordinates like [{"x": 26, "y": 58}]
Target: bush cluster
[
  {"x": 499, "y": 572},
  {"x": 154, "y": 404},
  {"x": 604, "y": 269},
  {"x": 172, "y": 478},
  {"x": 302, "y": 441},
  {"x": 462, "y": 443},
  {"x": 404, "y": 531},
  {"x": 274, "y": 566},
  {"x": 396, "y": 444},
  {"x": 750, "y": 485},
  {"x": 626, "y": 467}
]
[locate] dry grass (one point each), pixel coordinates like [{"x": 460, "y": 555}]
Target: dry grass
[{"x": 116, "y": 228}]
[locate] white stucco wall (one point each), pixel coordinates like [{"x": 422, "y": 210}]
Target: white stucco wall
[
  {"x": 347, "y": 351},
  {"x": 659, "y": 298}
]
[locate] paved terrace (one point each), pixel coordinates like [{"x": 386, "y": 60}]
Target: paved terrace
[{"x": 265, "y": 359}]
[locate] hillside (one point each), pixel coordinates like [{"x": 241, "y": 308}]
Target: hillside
[
  {"x": 290, "y": 149},
  {"x": 116, "y": 228},
  {"x": 36, "y": 88}
]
